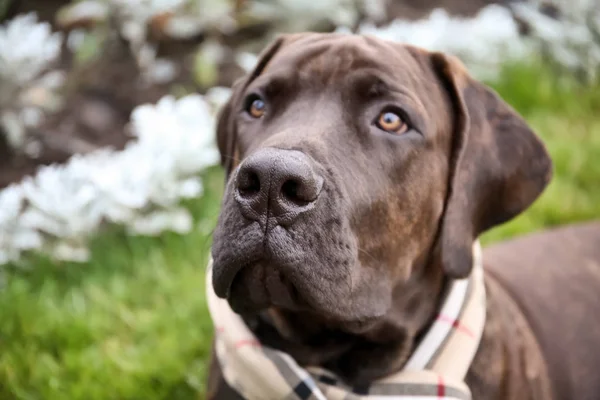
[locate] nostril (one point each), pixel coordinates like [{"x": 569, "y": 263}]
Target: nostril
[
  {"x": 294, "y": 191},
  {"x": 248, "y": 183},
  {"x": 290, "y": 190}
]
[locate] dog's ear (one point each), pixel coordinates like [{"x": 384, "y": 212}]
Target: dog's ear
[
  {"x": 226, "y": 125},
  {"x": 498, "y": 165}
]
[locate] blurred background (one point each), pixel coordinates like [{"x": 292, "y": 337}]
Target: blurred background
[{"x": 109, "y": 178}]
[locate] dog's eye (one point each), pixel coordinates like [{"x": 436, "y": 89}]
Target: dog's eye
[
  {"x": 255, "y": 106},
  {"x": 391, "y": 122}
]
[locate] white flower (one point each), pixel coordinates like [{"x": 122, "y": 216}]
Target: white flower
[
  {"x": 71, "y": 252},
  {"x": 153, "y": 124},
  {"x": 246, "y": 60},
  {"x": 161, "y": 71},
  {"x": 146, "y": 8},
  {"x": 27, "y": 48},
  {"x": 299, "y": 15},
  {"x": 14, "y": 128},
  {"x": 11, "y": 203},
  {"x": 570, "y": 40},
  {"x": 217, "y": 97},
  {"x": 85, "y": 10},
  {"x": 482, "y": 42},
  {"x": 186, "y": 17},
  {"x": 28, "y": 87},
  {"x": 178, "y": 220},
  {"x": 375, "y": 10},
  {"x": 11, "y": 206},
  {"x": 60, "y": 207}
]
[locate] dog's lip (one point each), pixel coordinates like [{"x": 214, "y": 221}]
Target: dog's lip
[
  {"x": 279, "y": 290},
  {"x": 360, "y": 326},
  {"x": 298, "y": 300},
  {"x": 282, "y": 291},
  {"x": 223, "y": 278}
]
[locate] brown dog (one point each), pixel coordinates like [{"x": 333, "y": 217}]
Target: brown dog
[{"x": 360, "y": 172}]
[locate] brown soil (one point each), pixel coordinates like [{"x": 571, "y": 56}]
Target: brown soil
[{"x": 89, "y": 122}]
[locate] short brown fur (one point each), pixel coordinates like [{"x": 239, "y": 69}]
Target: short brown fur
[{"x": 396, "y": 219}]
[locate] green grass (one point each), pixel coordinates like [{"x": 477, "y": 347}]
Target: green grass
[{"x": 133, "y": 324}]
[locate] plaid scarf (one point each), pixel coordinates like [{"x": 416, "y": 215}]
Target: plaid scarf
[{"x": 435, "y": 370}]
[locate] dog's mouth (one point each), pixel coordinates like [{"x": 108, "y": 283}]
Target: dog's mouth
[{"x": 259, "y": 286}]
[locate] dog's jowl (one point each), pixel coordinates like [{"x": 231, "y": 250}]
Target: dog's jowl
[{"x": 360, "y": 174}]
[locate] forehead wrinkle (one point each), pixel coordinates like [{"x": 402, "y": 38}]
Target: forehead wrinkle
[
  {"x": 366, "y": 79},
  {"x": 276, "y": 78},
  {"x": 319, "y": 62},
  {"x": 372, "y": 81},
  {"x": 329, "y": 59}
]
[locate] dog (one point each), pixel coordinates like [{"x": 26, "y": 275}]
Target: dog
[{"x": 360, "y": 173}]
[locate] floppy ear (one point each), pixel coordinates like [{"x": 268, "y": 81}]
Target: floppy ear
[
  {"x": 226, "y": 125},
  {"x": 498, "y": 165}
]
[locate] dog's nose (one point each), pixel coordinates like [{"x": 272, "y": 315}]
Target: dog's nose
[{"x": 278, "y": 183}]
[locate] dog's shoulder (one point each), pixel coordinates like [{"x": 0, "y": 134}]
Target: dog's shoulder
[
  {"x": 509, "y": 363},
  {"x": 554, "y": 278}
]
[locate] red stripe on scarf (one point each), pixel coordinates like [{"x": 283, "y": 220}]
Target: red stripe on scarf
[
  {"x": 441, "y": 388},
  {"x": 246, "y": 342},
  {"x": 456, "y": 324}
]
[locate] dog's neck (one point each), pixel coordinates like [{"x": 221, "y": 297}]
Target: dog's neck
[{"x": 358, "y": 358}]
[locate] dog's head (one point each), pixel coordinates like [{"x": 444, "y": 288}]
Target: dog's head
[{"x": 350, "y": 161}]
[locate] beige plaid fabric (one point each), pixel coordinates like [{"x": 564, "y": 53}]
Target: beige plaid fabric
[{"x": 435, "y": 370}]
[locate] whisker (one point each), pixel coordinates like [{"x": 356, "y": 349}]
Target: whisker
[{"x": 367, "y": 253}]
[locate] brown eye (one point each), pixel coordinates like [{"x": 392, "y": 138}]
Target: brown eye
[
  {"x": 257, "y": 108},
  {"x": 391, "y": 122}
]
